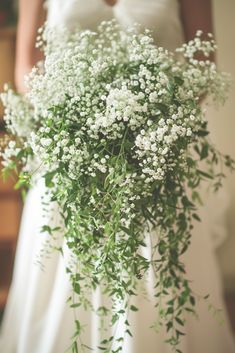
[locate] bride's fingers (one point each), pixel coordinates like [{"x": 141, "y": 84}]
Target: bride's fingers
[{"x": 20, "y": 74}]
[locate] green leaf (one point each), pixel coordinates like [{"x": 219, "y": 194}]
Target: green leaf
[
  {"x": 206, "y": 296},
  {"x": 104, "y": 341},
  {"x": 78, "y": 326},
  {"x": 186, "y": 202},
  {"x": 24, "y": 181},
  {"x": 162, "y": 107},
  {"x": 195, "y": 216},
  {"x": 180, "y": 333},
  {"x": 133, "y": 308},
  {"x": 190, "y": 310},
  {"x": 76, "y": 305},
  {"x": 162, "y": 247},
  {"x": 202, "y": 133},
  {"x": 86, "y": 346},
  {"x": 119, "y": 349},
  {"x": 179, "y": 81},
  {"x": 23, "y": 194},
  {"x": 74, "y": 347},
  {"x": 115, "y": 318},
  {"x": 46, "y": 229},
  {"x": 169, "y": 325},
  {"x": 204, "y": 151},
  {"x": 190, "y": 162},
  {"x": 77, "y": 288},
  {"x": 121, "y": 312},
  {"x": 196, "y": 197},
  {"x": 126, "y": 230},
  {"x": 129, "y": 332},
  {"x": 179, "y": 321},
  {"x": 204, "y": 174},
  {"x": 49, "y": 178},
  {"x": 192, "y": 300},
  {"x": 170, "y": 310}
]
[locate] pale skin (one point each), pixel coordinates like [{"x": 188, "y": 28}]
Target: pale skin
[
  {"x": 31, "y": 17},
  {"x": 195, "y": 14}
]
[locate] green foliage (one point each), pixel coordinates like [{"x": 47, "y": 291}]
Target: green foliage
[{"x": 125, "y": 164}]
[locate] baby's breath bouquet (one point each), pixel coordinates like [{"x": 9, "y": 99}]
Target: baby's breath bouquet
[{"x": 113, "y": 123}]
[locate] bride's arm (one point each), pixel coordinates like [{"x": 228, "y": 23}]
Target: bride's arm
[
  {"x": 31, "y": 17},
  {"x": 195, "y": 15}
]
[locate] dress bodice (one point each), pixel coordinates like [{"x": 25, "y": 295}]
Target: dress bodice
[{"x": 161, "y": 16}]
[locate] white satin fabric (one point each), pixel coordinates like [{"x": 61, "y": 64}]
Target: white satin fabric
[
  {"x": 162, "y": 16},
  {"x": 37, "y": 318}
]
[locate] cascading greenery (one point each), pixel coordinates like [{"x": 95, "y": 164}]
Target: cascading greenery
[{"x": 115, "y": 127}]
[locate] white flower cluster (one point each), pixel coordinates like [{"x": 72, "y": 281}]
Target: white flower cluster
[
  {"x": 111, "y": 122},
  {"x": 10, "y": 152},
  {"x": 100, "y": 87},
  {"x": 18, "y": 113},
  {"x": 113, "y": 93},
  {"x": 123, "y": 108}
]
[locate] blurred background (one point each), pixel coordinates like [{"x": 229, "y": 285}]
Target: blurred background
[
  {"x": 10, "y": 200},
  {"x": 222, "y": 124}
]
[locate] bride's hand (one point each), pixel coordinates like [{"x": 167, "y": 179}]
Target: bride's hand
[{"x": 20, "y": 72}]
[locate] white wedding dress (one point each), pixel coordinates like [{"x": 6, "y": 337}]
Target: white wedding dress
[{"x": 37, "y": 318}]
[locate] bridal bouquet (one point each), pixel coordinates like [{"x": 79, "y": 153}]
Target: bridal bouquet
[{"x": 114, "y": 125}]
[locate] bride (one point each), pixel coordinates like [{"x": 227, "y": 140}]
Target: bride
[{"x": 37, "y": 318}]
